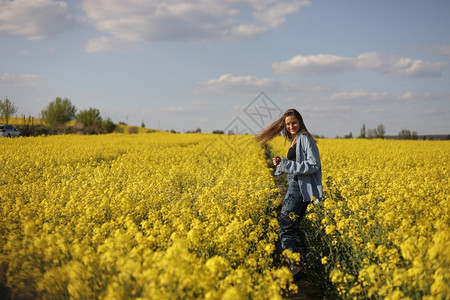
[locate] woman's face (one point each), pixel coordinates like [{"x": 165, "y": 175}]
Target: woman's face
[{"x": 292, "y": 125}]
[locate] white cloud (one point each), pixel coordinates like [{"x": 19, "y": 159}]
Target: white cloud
[
  {"x": 229, "y": 83},
  {"x": 381, "y": 98},
  {"x": 21, "y": 79},
  {"x": 103, "y": 43},
  {"x": 322, "y": 64},
  {"x": 435, "y": 112},
  {"x": 175, "y": 108},
  {"x": 359, "y": 97},
  {"x": 375, "y": 110},
  {"x": 196, "y": 20},
  {"x": 197, "y": 103},
  {"x": 385, "y": 65},
  {"x": 36, "y": 20},
  {"x": 390, "y": 65},
  {"x": 315, "y": 111},
  {"x": 192, "y": 107},
  {"x": 418, "y": 97},
  {"x": 240, "y": 85},
  {"x": 274, "y": 16}
]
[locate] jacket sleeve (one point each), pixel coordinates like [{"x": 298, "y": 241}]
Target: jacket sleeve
[{"x": 309, "y": 165}]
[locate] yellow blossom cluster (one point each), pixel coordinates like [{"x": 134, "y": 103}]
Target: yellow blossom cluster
[
  {"x": 383, "y": 230},
  {"x": 148, "y": 216}
]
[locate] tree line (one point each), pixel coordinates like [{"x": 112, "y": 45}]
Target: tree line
[
  {"x": 380, "y": 132},
  {"x": 89, "y": 121},
  {"x": 56, "y": 115}
]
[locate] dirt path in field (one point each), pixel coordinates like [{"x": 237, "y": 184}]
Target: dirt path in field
[{"x": 306, "y": 289}]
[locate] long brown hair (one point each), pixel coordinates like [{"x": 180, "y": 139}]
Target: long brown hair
[{"x": 278, "y": 126}]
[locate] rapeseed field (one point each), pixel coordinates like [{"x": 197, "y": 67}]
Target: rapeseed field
[{"x": 184, "y": 216}]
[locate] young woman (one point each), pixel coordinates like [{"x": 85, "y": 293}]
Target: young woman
[{"x": 304, "y": 174}]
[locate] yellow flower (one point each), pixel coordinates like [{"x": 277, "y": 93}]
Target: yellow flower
[
  {"x": 312, "y": 217},
  {"x": 292, "y": 216},
  {"x": 330, "y": 229},
  {"x": 336, "y": 276}
]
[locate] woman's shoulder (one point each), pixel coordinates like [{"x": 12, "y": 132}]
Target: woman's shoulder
[
  {"x": 304, "y": 136},
  {"x": 306, "y": 140}
]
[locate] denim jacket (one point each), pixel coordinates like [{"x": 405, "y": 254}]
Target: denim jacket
[{"x": 307, "y": 168}]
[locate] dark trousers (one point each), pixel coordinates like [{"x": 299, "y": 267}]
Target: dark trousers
[{"x": 292, "y": 211}]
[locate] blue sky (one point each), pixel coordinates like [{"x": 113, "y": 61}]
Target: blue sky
[{"x": 209, "y": 64}]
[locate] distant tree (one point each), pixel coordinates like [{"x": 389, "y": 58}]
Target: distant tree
[
  {"x": 348, "y": 136},
  {"x": 380, "y": 131},
  {"x": 89, "y": 117},
  {"x": 7, "y": 109},
  {"x": 58, "y": 112},
  {"x": 27, "y": 121},
  {"x": 198, "y": 130},
  {"x": 363, "y": 132},
  {"x": 108, "y": 125},
  {"x": 142, "y": 125},
  {"x": 404, "y": 134},
  {"x": 218, "y": 131},
  {"x": 371, "y": 133}
]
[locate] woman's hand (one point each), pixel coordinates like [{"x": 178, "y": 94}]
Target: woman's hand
[{"x": 276, "y": 161}]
